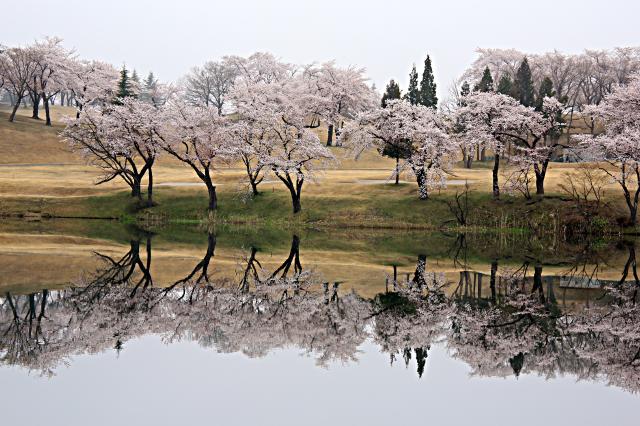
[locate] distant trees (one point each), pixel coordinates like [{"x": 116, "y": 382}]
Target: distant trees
[
  {"x": 413, "y": 92},
  {"x": 209, "y": 85}
]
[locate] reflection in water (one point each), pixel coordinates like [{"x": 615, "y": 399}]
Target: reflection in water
[{"x": 514, "y": 326}]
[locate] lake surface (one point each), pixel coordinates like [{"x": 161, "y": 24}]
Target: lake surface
[{"x": 102, "y": 323}]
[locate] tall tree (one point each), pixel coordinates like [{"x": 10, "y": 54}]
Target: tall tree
[
  {"x": 391, "y": 92},
  {"x": 428, "y": 96},
  {"x": 413, "y": 92},
  {"x": 523, "y": 87},
  {"x": 486, "y": 82}
]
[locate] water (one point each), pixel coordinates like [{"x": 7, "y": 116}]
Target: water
[{"x": 102, "y": 324}]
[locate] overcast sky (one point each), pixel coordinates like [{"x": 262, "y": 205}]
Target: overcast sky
[{"x": 386, "y": 37}]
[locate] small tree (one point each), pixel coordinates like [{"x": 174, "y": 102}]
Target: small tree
[
  {"x": 125, "y": 86},
  {"x": 505, "y": 85},
  {"x": 486, "y": 82},
  {"x": 391, "y": 92}
]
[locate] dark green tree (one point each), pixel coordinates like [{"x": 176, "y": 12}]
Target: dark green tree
[
  {"x": 428, "y": 86},
  {"x": 397, "y": 150},
  {"x": 148, "y": 88},
  {"x": 545, "y": 90},
  {"x": 505, "y": 85},
  {"x": 124, "y": 84},
  {"x": 413, "y": 92},
  {"x": 523, "y": 87},
  {"x": 391, "y": 92},
  {"x": 486, "y": 82}
]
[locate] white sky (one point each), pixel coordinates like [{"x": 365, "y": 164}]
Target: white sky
[{"x": 386, "y": 37}]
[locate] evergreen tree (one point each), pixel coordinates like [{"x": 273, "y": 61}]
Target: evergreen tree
[
  {"x": 523, "y": 87},
  {"x": 428, "y": 86},
  {"x": 124, "y": 84},
  {"x": 505, "y": 85},
  {"x": 392, "y": 92},
  {"x": 486, "y": 82},
  {"x": 413, "y": 92},
  {"x": 545, "y": 90},
  {"x": 148, "y": 87}
]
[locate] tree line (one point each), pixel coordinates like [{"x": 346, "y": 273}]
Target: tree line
[{"x": 265, "y": 113}]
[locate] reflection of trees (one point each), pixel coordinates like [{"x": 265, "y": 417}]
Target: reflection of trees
[{"x": 515, "y": 327}]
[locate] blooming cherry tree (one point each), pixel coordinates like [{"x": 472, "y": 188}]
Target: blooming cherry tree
[
  {"x": 618, "y": 147},
  {"x": 416, "y": 129}
]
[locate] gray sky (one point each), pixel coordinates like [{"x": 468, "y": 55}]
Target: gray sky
[{"x": 386, "y": 37}]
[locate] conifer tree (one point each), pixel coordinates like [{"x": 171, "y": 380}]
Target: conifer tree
[
  {"x": 392, "y": 92},
  {"x": 505, "y": 85},
  {"x": 523, "y": 87},
  {"x": 124, "y": 84},
  {"x": 428, "y": 86},
  {"x": 486, "y": 82},
  {"x": 413, "y": 92},
  {"x": 545, "y": 90}
]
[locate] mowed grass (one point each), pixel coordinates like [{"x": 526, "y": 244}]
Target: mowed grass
[{"x": 40, "y": 176}]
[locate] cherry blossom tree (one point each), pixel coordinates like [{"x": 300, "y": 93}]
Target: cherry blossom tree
[
  {"x": 271, "y": 97},
  {"x": 341, "y": 93},
  {"x": 196, "y": 135},
  {"x": 414, "y": 128},
  {"x": 122, "y": 140},
  {"x": 18, "y": 68},
  {"x": 92, "y": 82},
  {"x": 53, "y": 71},
  {"x": 618, "y": 147}
]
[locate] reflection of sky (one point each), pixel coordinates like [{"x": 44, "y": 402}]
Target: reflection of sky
[{"x": 150, "y": 383}]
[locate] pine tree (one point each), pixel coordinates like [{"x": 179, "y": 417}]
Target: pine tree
[
  {"x": 413, "y": 92},
  {"x": 505, "y": 85},
  {"x": 486, "y": 82},
  {"x": 148, "y": 87},
  {"x": 392, "y": 92},
  {"x": 428, "y": 86},
  {"x": 523, "y": 87},
  {"x": 545, "y": 91},
  {"x": 124, "y": 84}
]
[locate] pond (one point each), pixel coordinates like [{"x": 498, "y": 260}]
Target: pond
[{"x": 101, "y": 323}]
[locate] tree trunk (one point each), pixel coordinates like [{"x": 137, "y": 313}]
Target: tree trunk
[
  {"x": 483, "y": 154},
  {"x": 397, "y": 170},
  {"x": 136, "y": 188},
  {"x": 12, "y": 117},
  {"x": 35, "y": 114},
  {"x": 496, "y": 167},
  {"x": 492, "y": 280},
  {"x": 540, "y": 175},
  {"x": 297, "y": 206},
  {"x": 330, "y": 135},
  {"x": 469, "y": 161},
  {"x": 47, "y": 113},
  {"x": 421, "y": 178},
  {"x": 213, "y": 198},
  {"x": 150, "y": 188}
]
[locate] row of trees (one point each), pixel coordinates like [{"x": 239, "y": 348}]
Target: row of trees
[{"x": 265, "y": 113}]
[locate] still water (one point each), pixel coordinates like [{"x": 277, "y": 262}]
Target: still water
[{"x": 103, "y": 324}]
